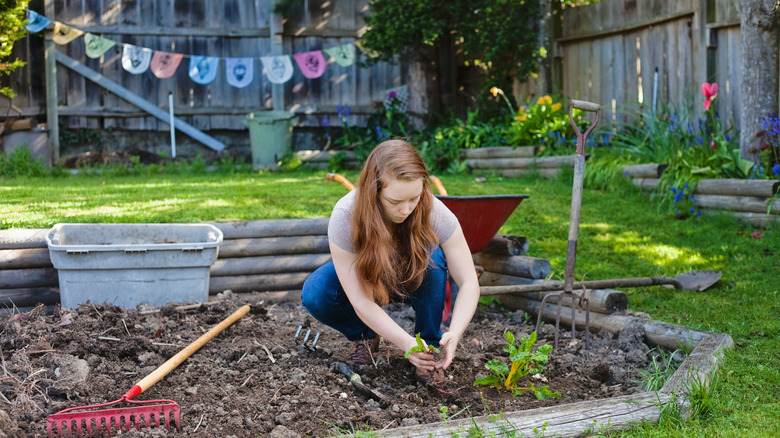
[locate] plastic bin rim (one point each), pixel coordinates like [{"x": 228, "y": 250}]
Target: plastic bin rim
[
  {"x": 268, "y": 116},
  {"x": 133, "y": 246}
]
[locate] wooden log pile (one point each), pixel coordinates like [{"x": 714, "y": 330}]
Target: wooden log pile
[
  {"x": 514, "y": 162},
  {"x": 753, "y": 201},
  {"x": 270, "y": 260},
  {"x": 320, "y": 159}
]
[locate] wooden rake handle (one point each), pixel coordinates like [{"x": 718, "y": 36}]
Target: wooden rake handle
[{"x": 188, "y": 351}]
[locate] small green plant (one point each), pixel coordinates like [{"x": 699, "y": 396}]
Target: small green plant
[
  {"x": 420, "y": 347},
  {"x": 21, "y": 163},
  {"x": 700, "y": 393},
  {"x": 524, "y": 361},
  {"x": 662, "y": 366},
  {"x": 543, "y": 123}
]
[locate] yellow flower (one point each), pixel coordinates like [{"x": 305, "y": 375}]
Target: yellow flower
[
  {"x": 520, "y": 117},
  {"x": 544, "y": 100},
  {"x": 496, "y": 91},
  {"x": 556, "y": 106}
]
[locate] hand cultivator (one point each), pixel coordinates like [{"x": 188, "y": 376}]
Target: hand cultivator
[
  {"x": 71, "y": 423},
  {"x": 303, "y": 341},
  {"x": 574, "y": 226}
]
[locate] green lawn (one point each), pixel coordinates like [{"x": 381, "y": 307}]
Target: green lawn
[{"x": 622, "y": 234}]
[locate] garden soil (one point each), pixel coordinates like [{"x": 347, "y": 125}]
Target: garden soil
[{"x": 254, "y": 379}]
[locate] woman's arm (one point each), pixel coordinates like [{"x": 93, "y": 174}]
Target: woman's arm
[
  {"x": 461, "y": 268},
  {"x": 371, "y": 313}
]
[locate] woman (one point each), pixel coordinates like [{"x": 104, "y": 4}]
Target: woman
[{"x": 391, "y": 240}]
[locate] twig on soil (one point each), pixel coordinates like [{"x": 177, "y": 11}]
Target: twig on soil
[
  {"x": 242, "y": 357},
  {"x": 201, "y": 421},
  {"x": 108, "y": 338},
  {"x": 41, "y": 351},
  {"x": 125, "y": 324},
  {"x": 6, "y": 378},
  {"x": 95, "y": 308},
  {"x": 276, "y": 394},
  {"x": 268, "y": 352},
  {"x": 2, "y": 359},
  {"x": 185, "y": 307},
  {"x": 107, "y": 330},
  {"x": 247, "y": 380},
  {"x": 165, "y": 344}
]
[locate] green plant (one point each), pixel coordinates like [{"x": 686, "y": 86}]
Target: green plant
[
  {"x": 11, "y": 29},
  {"x": 385, "y": 123},
  {"x": 543, "y": 123},
  {"x": 21, "y": 163},
  {"x": 523, "y": 362},
  {"x": 769, "y": 148},
  {"x": 662, "y": 366},
  {"x": 420, "y": 347},
  {"x": 700, "y": 392}
]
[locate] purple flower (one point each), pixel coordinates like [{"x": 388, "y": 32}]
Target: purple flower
[
  {"x": 325, "y": 122},
  {"x": 392, "y": 95},
  {"x": 346, "y": 112},
  {"x": 339, "y": 109},
  {"x": 776, "y": 169}
]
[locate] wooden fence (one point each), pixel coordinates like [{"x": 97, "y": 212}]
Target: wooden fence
[
  {"x": 219, "y": 28},
  {"x": 620, "y": 53}
]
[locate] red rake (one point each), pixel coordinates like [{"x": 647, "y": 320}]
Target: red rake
[{"x": 148, "y": 414}]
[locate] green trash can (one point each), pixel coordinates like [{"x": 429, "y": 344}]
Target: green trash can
[{"x": 270, "y": 135}]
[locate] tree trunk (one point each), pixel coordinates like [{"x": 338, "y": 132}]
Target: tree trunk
[
  {"x": 759, "y": 87},
  {"x": 423, "y": 81}
]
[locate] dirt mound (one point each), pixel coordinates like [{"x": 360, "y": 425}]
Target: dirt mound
[{"x": 254, "y": 379}]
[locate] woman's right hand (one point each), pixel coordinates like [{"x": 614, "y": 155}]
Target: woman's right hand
[{"x": 421, "y": 360}]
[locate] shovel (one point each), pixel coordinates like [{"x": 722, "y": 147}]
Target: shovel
[{"x": 693, "y": 280}]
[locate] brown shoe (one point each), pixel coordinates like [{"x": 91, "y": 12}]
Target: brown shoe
[{"x": 363, "y": 351}]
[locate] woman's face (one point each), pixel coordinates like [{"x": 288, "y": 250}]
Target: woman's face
[{"x": 399, "y": 198}]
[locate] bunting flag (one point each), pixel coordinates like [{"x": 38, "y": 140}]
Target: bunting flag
[
  {"x": 203, "y": 69},
  {"x": 36, "y": 22},
  {"x": 312, "y": 64},
  {"x": 164, "y": 64},
  {"x": 136, "y": 59},
  {"x": 63, "y": 34},
  {"x": 95, "y": 46},
  {"x": 344, "y": 55},
  {"x": 279, "y": 69},
  {"x": 239, "y": 71}
]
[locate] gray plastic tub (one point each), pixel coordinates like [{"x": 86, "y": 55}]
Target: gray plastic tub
[{"x": 130, "y": 264}]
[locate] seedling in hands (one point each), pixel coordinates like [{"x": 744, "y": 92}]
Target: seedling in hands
[
  {"x": 523, "y": 363},
  {"x": 420, "y": 347}
]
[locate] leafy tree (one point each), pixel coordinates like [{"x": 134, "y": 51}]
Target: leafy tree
[
  {"x": 497, "y": 38},
  {"x": 12, "y": 28}
]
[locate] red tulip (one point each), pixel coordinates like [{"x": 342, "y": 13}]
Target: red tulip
[{"x": 709, "y": 91}]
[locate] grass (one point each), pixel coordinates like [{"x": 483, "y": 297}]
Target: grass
[{"x": 622, "y": 234}]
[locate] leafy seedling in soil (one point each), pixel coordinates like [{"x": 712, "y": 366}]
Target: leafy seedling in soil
[
  {"x": 420, "y": 347},
  {"x": 523, "y": 362}
]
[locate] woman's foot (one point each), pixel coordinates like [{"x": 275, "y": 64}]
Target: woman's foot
[{"x": 363, "y": 351}]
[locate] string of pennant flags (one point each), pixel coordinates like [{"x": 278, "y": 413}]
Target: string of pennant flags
[{"x": 202, "y": 69}]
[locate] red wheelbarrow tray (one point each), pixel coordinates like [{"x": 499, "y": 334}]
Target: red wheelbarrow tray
[{"x": 480, "y": 217}]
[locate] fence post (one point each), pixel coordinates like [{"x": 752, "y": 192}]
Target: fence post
[
  {"x": 277, "y": 31},
  {"x": 50, "y": 63}
]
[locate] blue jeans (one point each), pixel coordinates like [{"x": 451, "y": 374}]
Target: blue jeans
[{"x": 326, "y": 300}]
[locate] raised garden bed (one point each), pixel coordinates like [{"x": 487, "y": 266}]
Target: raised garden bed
[{"x": 255, "y": 379}]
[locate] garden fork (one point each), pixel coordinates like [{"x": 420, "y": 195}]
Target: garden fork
[
  {"x": 574, "y": 225},
  {"x": 303, "y": 342}
]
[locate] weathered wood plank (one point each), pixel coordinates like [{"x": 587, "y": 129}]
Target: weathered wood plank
[
  {"x": 521, "y": 266},
  {"x": 751, "y": 204},
  {"x": 25, "y": 297},
  {"x": 20, "y": 238},
  {"x": 258, "y": 283},
  {"x": 501, "y": 152},
  {"x": 520, "y": 163},
  {"x": 24, "y": 258},
  {"x": 273, "y": 228},
  {"x": 738, "y": 187},
  {"x": 649, "y": 170},
  {"x": 271, "y": 264},
  {"x": 24, "y": 278},
  {"x": 263, "y": 246}
]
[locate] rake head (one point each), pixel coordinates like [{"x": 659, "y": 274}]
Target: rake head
[{"x": 152, "y": 413}]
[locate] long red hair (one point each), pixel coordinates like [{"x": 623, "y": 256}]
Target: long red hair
[{"x": 391, "y": 260}]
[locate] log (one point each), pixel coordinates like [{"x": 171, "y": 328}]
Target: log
[
  {"x": 501, "y": 152},
  {"x": 567, "y": 420},
  {"x": 606, "y": 301},
  {"x": 315, "y": 156},
  {"x": 25, "y": 258},
  {"x": 274, "y": 246},
  {"x": 505, "y": 245},
  {"x": 31, "y": 296},
  {"x": 759, "y": 220},
  {"x": 656, "y": 333},
  {"x": 648, "y": 184},
  {"x": 23, "y": 278},
  {"x": 21, "y": 124},
  {"x": 752, "y": 204},
  {"x": 272, "y": 228},
  {"x": 546, "y": 173},
  {"x": 496, "y": 279},
  {"x": 520, "y": 163},
  {"x": 521, "y": 266},
  {"x": 20, "y": 238},
  {"x": 738, "y": 187},
  {"x": 644, "y": 170},
  {"x": 258, "y": 283},
  {"x": 272, "y": 264},
  {"x": 702, "y": 361}
]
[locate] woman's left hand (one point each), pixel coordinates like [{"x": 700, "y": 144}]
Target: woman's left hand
[{"x": 448, "y": 343}]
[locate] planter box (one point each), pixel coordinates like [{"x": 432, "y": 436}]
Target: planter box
[{"x": 130, "y": 264}]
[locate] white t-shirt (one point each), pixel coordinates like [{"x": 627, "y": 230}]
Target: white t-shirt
[{"x": 443, "y": 221}]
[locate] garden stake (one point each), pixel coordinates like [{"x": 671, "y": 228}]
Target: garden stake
[
  {"x": 574, "y": 225},
  {"x": 64, "y": 422}
]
